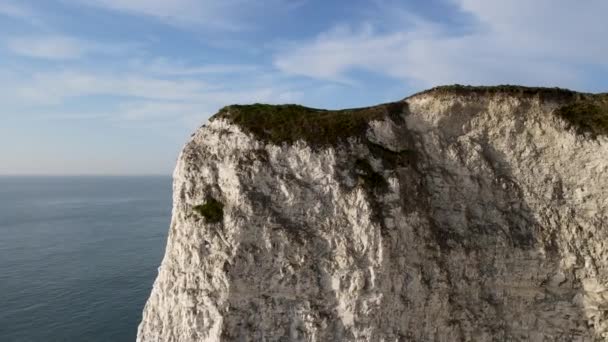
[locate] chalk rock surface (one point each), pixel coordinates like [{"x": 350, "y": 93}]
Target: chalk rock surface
[{"x": 457, "y": 214}]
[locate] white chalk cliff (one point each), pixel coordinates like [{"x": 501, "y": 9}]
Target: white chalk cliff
[{"x": 456, "y": 215}]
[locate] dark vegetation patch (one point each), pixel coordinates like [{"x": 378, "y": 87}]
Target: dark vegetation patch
[
  {"x": 374, "y": 184},
  {"x": 515, "y": 90},
  {"x": 212, "y": 210},
  {"x": 390, "y": 158},
  {"x": 372, "y": 179},
  {"x": 587, "y": 114},
  {"x": 289, "y": 123}
]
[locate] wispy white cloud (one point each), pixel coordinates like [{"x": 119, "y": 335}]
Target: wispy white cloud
[
  {"x": 18, "y": 10},
  {"x": 333, "y": 54},
  {"x": 135, "y": 96},
  {"x": 61, "y": 47},
  {"x": 164, "y": 66},
  {"x": 52, "y": 88},
  {"x": 182, "y": 12},
  {"x": 11, "y": 9},
  {"x": 50, "y": 47},
  {"x": 228, "y": 15},
  {"x": 545, "y": 44}
]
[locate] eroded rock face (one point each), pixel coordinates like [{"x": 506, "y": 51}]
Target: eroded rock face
[{"x": 461, "y": 218}]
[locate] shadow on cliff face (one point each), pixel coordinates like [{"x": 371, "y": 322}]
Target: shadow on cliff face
[
  {"x": 470, "y": 253},
  {"x": 280, "y": 289}
]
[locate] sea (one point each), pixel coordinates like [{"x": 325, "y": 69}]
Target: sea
[{"x": 79, "y": 255}]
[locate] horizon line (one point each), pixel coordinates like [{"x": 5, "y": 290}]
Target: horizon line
[{"x": 89, "y": 175}]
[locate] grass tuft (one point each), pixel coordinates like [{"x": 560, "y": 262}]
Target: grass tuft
[
  {"x": 212, "y": 210},
  {"x": 588, "y": 114}
]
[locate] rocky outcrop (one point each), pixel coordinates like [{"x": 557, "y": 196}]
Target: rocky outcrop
[{"x": 457, "y": 214}]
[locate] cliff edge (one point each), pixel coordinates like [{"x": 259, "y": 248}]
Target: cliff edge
[{"x": 457, "y": 214}]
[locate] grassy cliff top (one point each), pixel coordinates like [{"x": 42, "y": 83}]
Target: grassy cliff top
[
  {"x": 290, "y": 123},
  {"x": 515, "y": 90},
  {"x": 587, "y": 113}
]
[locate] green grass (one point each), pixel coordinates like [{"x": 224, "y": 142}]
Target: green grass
[
  {"x": 588, "y": 114},
  {"x": 212, "y": 210},
  {"x": 289, "y": 123},
  {"x": 545, "y": 93}
]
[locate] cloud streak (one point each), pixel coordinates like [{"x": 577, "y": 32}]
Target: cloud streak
[
  {"x": 164, "y": 66},
  {"x": 502, "y": 44},
  {"x": 225, "y": 15},
  {"x": 62, "y": 47},
  {"x": 52, "y": 88},
  {"x": 11, "y": 9},
  {"x": 48, "y": 47},
  {"x": 18, "y": 10}
]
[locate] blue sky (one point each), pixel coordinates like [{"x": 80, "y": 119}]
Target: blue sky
[{"x": 117, "y": 86}]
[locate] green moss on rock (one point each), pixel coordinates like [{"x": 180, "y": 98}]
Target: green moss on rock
[
  {"x": 290, "y": 123},
  {"x": 212, "y": 210},
  {"x": 588, "y": 114}
]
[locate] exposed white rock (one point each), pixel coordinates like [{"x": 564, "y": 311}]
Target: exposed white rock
[{"x": 493, "y": 227}]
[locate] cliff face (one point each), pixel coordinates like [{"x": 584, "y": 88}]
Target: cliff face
[{"x": 454, "y": 215}]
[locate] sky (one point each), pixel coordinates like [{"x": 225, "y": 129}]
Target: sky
[{"x": 116, "y": 87}]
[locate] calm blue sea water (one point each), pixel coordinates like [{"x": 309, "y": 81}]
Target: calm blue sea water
[{"x": 78, "y": 255}]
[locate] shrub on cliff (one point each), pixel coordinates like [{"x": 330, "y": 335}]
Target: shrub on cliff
[{"x": 212, "y": 210}]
